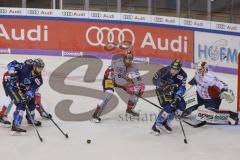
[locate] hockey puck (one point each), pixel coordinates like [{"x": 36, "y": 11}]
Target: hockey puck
[
  {"x": 185, "y": 141},
  {"x": 88, "y": 141}
]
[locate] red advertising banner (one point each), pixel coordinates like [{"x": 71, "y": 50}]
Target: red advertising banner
[{"x": 147, "y": 41}]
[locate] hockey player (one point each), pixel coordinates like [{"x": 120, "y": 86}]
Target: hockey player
[
  {"x": 24, "y": 82},
  {"x": 7, "y": 103},
  {"x": 210, "y": 92},
  {"x": 170, "y": 84},
  {"x": 122, "y": 74}
]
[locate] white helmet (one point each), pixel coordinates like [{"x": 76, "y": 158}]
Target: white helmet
[{"x": 202, "y": 68}]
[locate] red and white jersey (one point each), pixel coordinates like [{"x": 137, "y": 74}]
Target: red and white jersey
[
  {"x": 203, "y": 82},
  {"x": 121, "y": 74}
]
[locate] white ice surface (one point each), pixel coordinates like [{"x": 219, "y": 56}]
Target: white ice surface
[{"x": 114, "y": 139}]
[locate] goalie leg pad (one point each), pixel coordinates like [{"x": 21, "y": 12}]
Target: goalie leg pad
[{"x": 218, "y": 116}]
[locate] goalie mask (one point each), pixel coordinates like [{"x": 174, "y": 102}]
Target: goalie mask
[{"x": 202, "y": 68}]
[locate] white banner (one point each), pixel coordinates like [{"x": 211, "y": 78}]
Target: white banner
[
  {"x": 195, "y": 23},
  {"x": 213, "y": 47},
  {"x": 41, "y": 12},
  {"x": 73, "y": 13},
  {"x": 135, "y": 17},
  {"x": 229, "y": 27},
  {"x": 165, "y": 20},
  {"x": 104, "y": 15},
  {"x": 12, "y": 11}
]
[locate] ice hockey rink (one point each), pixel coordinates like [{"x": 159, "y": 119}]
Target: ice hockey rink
[{"x": 115, "y": 138}]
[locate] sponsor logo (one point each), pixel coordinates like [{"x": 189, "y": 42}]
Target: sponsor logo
[
  {"x": 33, "y": 12},
  {"x": 205, "y": 116},
  {"x": 96, "y": 15},
  {"x": 3, "y": 11},
  {"x": 180, "y": 44},
  {"x": 40, "y": 33},
  {"x": 67, "y": 13},
  {"x": 72, "y": 54},
  {"x": 96, "y": 36},
  {"x": 221, "y": 26},
  {"x": 217, "y": 51},
  {"x": 5, "y": 51},
  {"x": 130, "y": 17},
  {"x": 221, "y": 117}
]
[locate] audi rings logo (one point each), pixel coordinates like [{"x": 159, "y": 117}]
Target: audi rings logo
[
  {"x": 67, "y": 13},
  {"x": 102, "y": 36},
  {"x": 35, "y": 12},
  {"x": 221, "y": 26},
  {"x": 3, "y": 10}
]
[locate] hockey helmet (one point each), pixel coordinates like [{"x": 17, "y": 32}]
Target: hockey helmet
[
  {"x": 128, "y": 57},
  {"x": 176, "y": 66},
  {"x": 202, "y": 68}
]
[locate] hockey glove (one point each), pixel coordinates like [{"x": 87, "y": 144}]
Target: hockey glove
[{"x": 175, "y": 100}]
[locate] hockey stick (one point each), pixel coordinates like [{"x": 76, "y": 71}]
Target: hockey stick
[
  {"x": 31, "y": 119},
  {"x": 180, "y": 121},
  {"x": 65, "y": 134},
  {"x": 196, "y": 125},
  {"x": 185, "y": 139}
]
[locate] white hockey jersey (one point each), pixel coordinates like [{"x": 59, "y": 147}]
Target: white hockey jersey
[
  {"x": 203, "y": 82},
  {"x": 122, "y": 74}
]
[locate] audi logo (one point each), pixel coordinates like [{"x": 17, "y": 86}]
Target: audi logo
[
  {"x": 33, "y": 12},
  {"x": 67, "y": 13},
  {"x": 128, "y": 16},
  {"x": 221, "y": 26},
  {"x": 157, "y": 19},
  {"x": 96, "y": 36},
  {"x": 3, "y": 10},
  {"x": 96, "y": 15},
  {"x": 187, "y": 22}
]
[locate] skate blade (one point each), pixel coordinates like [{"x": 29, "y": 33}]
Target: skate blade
[
  {"x": 5, "y": 125},
  {"x": 14, "y": 133},
  {"x": 155, "y": 133},
  {"x": 165, "y": 130},
  {"x": 95, "y": 121}
]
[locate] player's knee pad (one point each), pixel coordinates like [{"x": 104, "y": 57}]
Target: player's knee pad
[
  {"x": 162, "y": 116},
  {"x": 107, "y": 96},
  {"x": 133, "y": 99}
]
